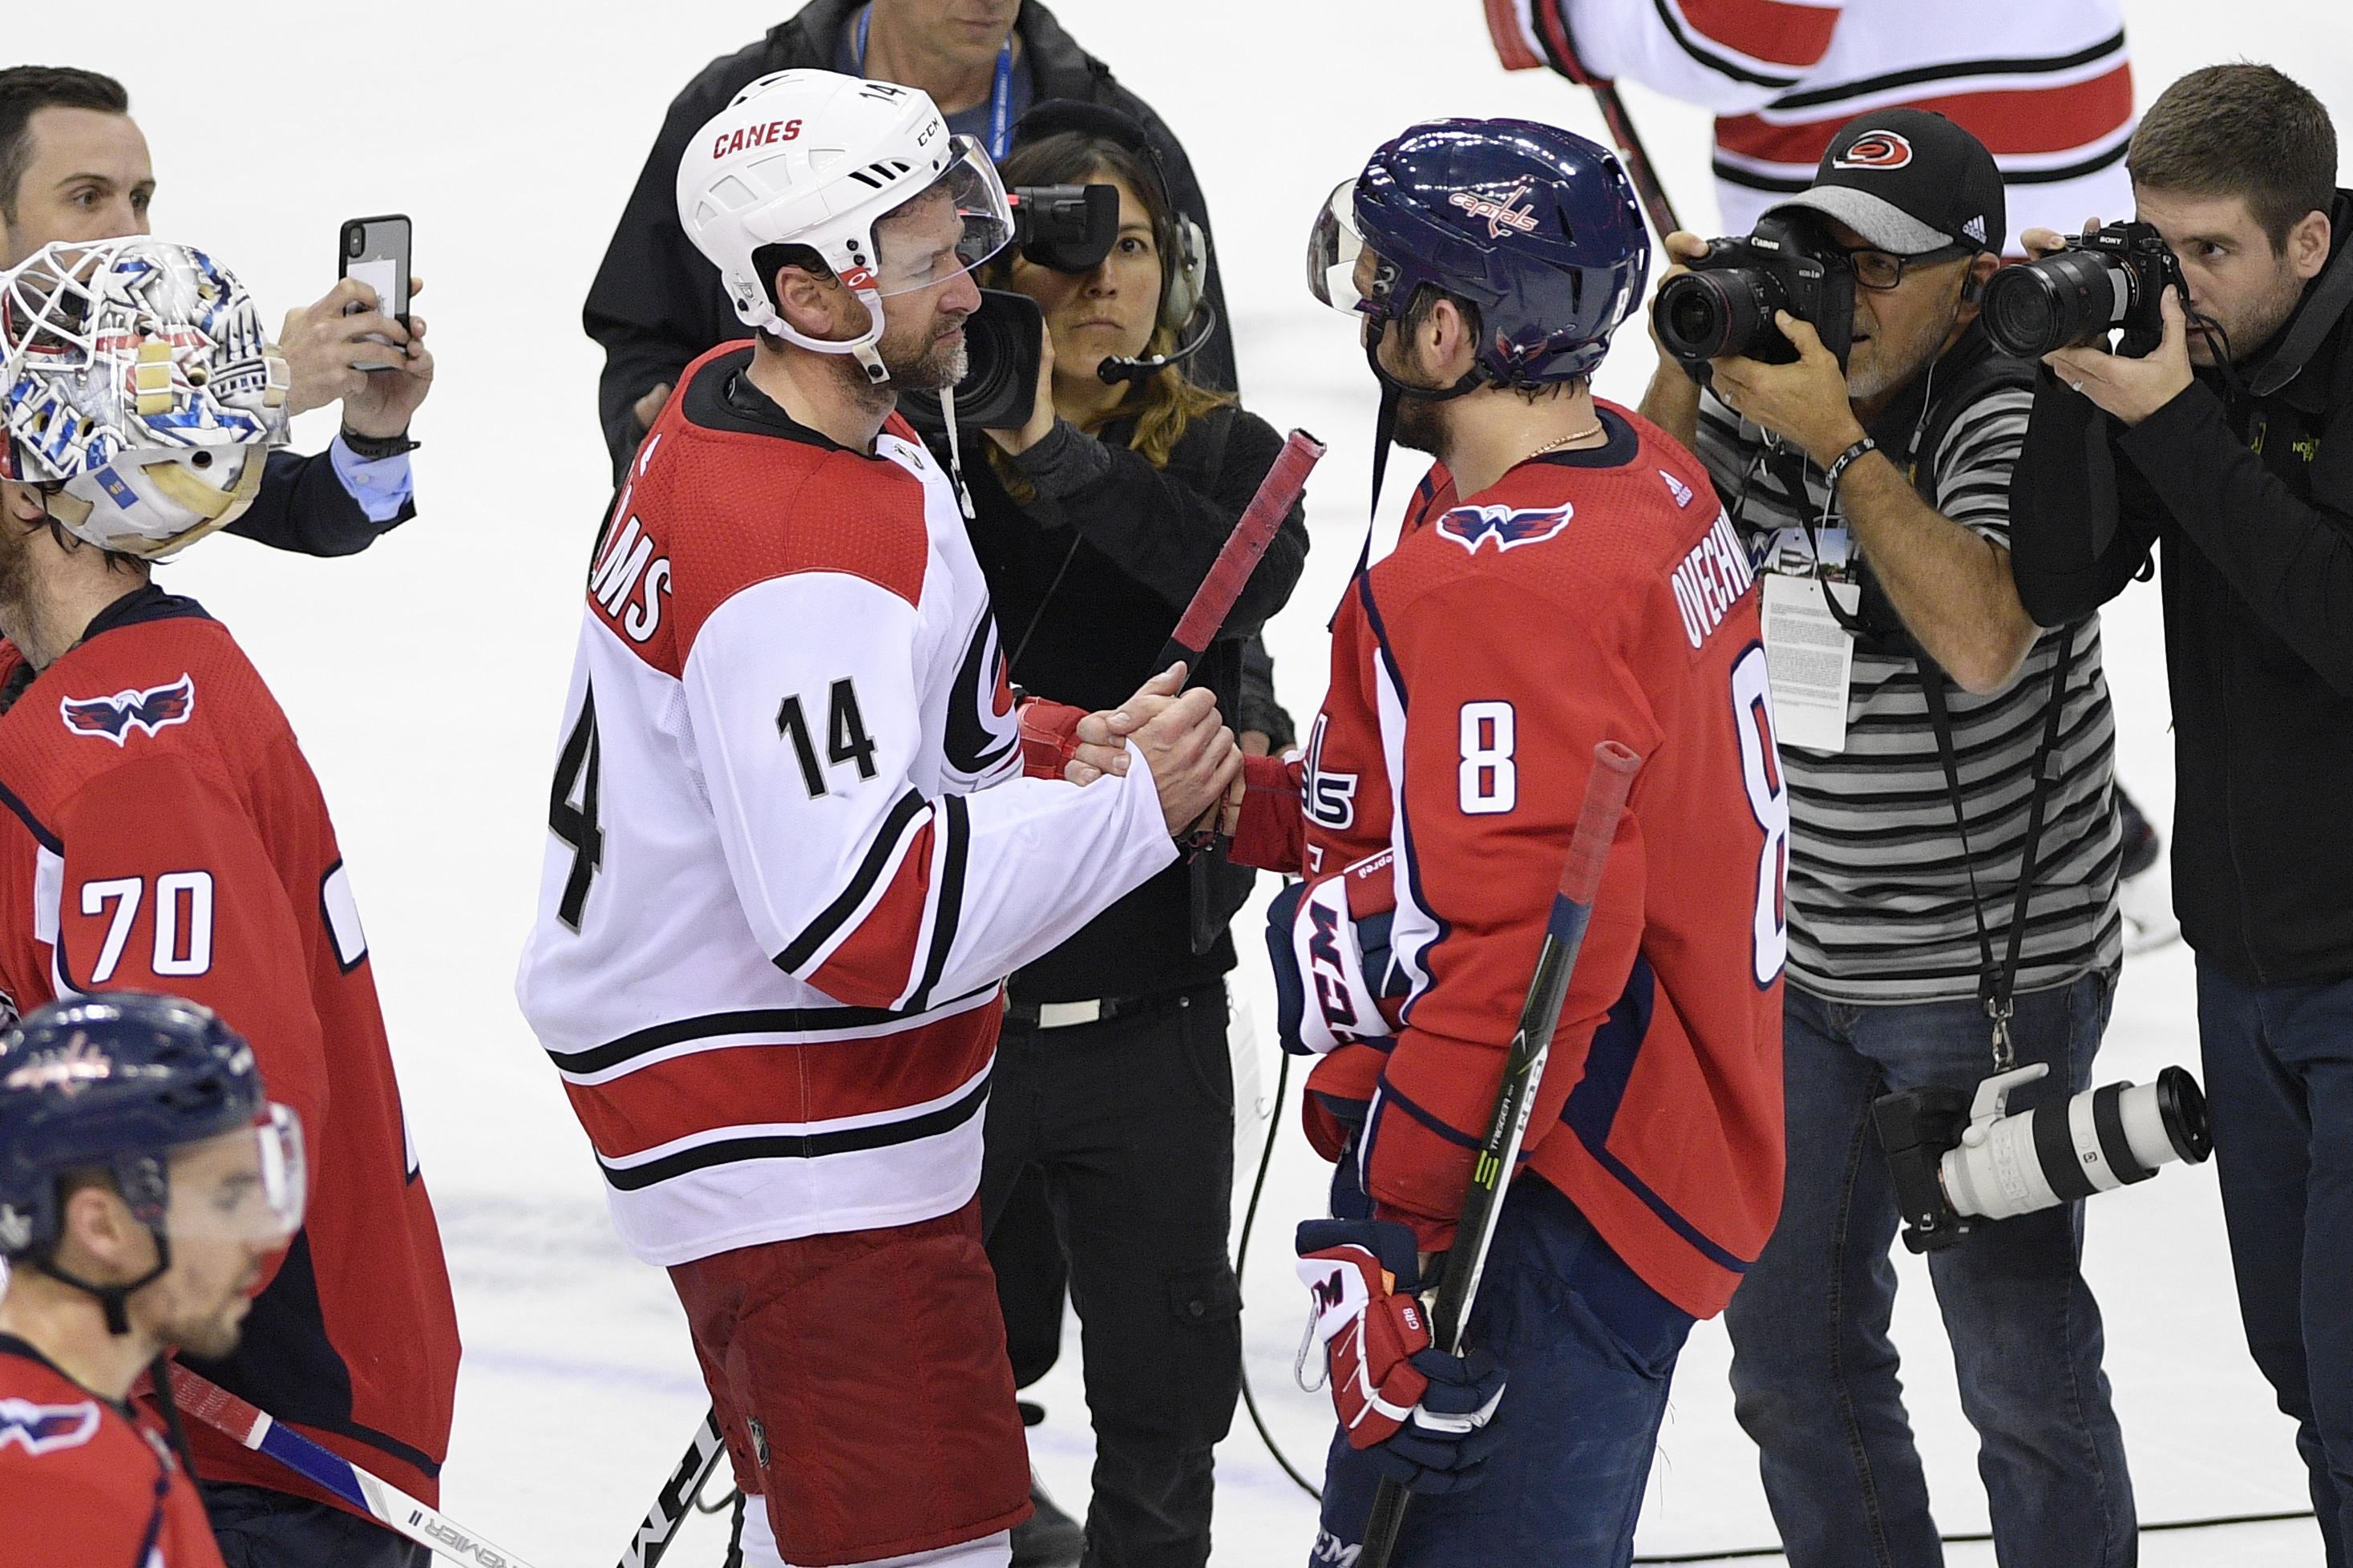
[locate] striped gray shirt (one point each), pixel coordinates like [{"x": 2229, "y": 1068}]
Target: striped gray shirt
[{"x": 1879, "y": 884}]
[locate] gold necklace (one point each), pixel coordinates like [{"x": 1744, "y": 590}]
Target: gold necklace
[{"x": 1555, "y": 446}]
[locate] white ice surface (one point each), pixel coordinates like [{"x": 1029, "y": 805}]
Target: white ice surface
[{"x": 424, "y": 679}]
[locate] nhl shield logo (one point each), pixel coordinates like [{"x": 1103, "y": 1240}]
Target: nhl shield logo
[
  {"x": 114, "y": 717},
  {"x": 1509, "y": 527}
]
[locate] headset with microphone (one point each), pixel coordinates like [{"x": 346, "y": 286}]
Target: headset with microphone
[{"x": 1183, "y": 245}]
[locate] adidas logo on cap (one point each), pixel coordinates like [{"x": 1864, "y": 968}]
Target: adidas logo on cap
[{"x": 1975, "y": 229}]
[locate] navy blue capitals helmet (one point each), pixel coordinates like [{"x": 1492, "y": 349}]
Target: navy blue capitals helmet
[
  {"x": 1536, "y": 227},
  {"x": 112, "y": 1082}
]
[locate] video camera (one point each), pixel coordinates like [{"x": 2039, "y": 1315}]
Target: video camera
[
  {"x": 1958, "y": 1160},
  {"x": 1069, "y": 228},
  {"x": 1724, "y": 304},
  {"x": 2106, "y": 279}
]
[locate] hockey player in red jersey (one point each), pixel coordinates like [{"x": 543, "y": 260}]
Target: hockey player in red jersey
[
  {"x": 163, "y": 832},
  {"x": 1564, "y": 577},
  {"x": 792, "y": 857},
  {"x": 145, "y": 1184}
]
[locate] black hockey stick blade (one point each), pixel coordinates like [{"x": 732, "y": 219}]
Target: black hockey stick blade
[
  {"x": 1639, "y": 168},
  {"x": 1606, "y": 789},
  {"x": 677, "y": 1495}
]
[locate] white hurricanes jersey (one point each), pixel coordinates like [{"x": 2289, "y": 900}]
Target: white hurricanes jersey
[
  {"x": 2044, "y": 84},
  {"x": 791, "y": 855}
]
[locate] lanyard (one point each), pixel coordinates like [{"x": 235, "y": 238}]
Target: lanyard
[{"x": 1000, "y": 104}]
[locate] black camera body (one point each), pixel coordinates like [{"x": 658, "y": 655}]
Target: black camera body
[
  {"x": 1067, "y": 227},
  {"x": 1959, "y": 1160},
  {"x": 1724, "y": 304},
  {"x": 2107, "y": 280}
]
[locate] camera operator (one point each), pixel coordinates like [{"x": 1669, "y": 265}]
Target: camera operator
[
  {"x": 2231, "y": 443},
  {"x": 1916, "y": 809},
  {"x": 1097, "y": 518},
  {"x": 73, "y": 166}
]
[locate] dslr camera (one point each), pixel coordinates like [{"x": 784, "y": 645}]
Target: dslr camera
[
  {"x": 2106, "y": 279},
  {"x": 1725, "y": 304},
  {"x": 1069, "y": 228},
  {"x": 1958, "y": 1161}
]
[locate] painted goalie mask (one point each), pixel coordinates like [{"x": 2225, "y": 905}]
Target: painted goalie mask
[{"x": 138, "y": 389}]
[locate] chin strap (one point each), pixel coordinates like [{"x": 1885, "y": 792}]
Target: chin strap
[
  {"x": 860, "y": 348},
  {"x": 1394, "y": 392},
  {"x": 955, "y": 453},
  {"x": 113, "y": 1299}
]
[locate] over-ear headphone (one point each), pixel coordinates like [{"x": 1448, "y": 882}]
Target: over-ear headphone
[{"x": 1183, "y": 245}]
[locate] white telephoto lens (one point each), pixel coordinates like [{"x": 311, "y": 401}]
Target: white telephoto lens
[
  {"x": 2094, "y": 1141},
  {"x": 1995, "y": 1172}
]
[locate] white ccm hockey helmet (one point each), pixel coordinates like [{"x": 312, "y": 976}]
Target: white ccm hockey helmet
[
  {"x": 135, "y": 374},
  {"x": 815, "y": 158}
]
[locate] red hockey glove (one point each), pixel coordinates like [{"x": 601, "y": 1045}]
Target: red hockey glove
[
  {"x": 1420, "y": 1416},
  {"x": 1049, "y": 737}
]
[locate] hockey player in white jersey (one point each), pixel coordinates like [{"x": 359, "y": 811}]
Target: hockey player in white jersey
[
  {"x": 792, "y": 855},
  {"x": 2045, "y": 84}
]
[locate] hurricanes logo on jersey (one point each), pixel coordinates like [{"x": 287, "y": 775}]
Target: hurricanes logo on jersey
[
  {"x": 114, "y": 717},
  {"x": 1509, "y": 527},
  {"x": 45, "y": 1429}
]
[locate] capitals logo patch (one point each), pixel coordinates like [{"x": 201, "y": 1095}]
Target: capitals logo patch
[
  {"x": 1501, "y": 212},
  {"x": 45, "y": 1429},
  {"x": 114, "y": 717},
  {"x": 1472, "y": 526},
  {"x": 1876, "y": 150}
]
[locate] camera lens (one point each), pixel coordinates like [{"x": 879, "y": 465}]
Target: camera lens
[
  {"x": 2180, "y": 1107},
  {"x": 1706, "y": 315},
  {"x": 354, "y": 240},
  {"x": 2056, "y": 302}
]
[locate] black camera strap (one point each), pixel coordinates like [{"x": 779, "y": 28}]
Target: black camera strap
[{"x": 1996, "y": 984}]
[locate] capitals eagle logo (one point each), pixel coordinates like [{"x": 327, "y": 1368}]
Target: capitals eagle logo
[
  {"x": 1509, "y": 527},
  {"x": 42, "y": 1428},
  {"x": 114, "y": 717}
]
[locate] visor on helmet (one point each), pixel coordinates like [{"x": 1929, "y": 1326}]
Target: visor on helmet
[
  {"x": 258, "y": 1196},
  {"x": 959, "y": 221},
  {"x": 1342, "y": 271}
]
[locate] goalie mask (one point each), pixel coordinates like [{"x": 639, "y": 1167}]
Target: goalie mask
[
  {"x": 815, "y": 158},
  {"x": 138, "y": 389}
]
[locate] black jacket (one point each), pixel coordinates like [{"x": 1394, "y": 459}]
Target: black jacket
[
  {"x": 302, "y": 507},
  {"x": 1087, "y": 581},
  {"x": 656, "y": 303},
  {"x": 2251, "y": 493}
]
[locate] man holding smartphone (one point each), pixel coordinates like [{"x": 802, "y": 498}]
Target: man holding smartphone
[{"x": 74, "y": 166}]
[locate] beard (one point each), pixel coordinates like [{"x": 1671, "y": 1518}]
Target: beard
[
  {"x": 213, "y": 1336},
  {"x": 939, "y": 362},
  {"x": 1884, "y": 365},
  {"x": 1421, "y": 425},
  {"x": 2251, "y": 328},
  {"x": 16, "y": 580}
]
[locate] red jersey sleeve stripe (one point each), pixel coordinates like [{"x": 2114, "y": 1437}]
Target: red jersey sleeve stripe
[
  {"x": 874, "y": 963},
  {"x": 879, "y": 857}
]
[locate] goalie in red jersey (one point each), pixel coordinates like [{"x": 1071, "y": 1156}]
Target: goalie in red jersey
[{"x": 1564, "y": 577}]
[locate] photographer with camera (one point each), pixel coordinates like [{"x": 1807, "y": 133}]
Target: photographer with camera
[
  {"x": 1097, "y": 516},
  {"x": 2223, "y": 430},
  {"x": 1954, "y": 846}
]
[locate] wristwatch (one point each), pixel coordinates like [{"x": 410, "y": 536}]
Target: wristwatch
[{"x": 375, "y": 447}]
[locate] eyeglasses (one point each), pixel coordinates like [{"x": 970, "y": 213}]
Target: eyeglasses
[{"x": 1881, "y": 270}]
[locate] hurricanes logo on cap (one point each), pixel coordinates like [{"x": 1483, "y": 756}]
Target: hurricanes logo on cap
[{"x": 1876, "y": 150}]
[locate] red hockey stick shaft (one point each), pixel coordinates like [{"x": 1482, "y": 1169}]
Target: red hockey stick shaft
[{"x": 1213, "y": 601}]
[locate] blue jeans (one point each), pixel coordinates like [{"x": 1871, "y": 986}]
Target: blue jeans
[
  {"x": 2279, "y": 1088},
  {"x": 1813, "y": 1370},
  {"x": 1587, "y": 1351}
]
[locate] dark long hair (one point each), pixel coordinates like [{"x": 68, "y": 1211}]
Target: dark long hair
[{"x": 1169, "y": 401}]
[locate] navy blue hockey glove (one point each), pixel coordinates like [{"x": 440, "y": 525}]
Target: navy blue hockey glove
[{"x": 1420, "y": 1415}]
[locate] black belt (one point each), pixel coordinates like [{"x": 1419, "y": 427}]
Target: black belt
[{"x": 1040, "y": 1016}]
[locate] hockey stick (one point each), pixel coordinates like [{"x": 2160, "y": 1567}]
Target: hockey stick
[
  {"x": 1524, "y": 1063},
  {"x": 677, "y": 1495},
  {"x": 1638, "y": 167},
  {"x": 249, "y": 1424},
  {"x": 1214, "y": 600}
]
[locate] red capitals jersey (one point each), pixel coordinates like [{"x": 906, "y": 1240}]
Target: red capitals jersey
[
  {"x": 791, "y": 858},
  {"x": 164, "y": 834},
  {"x": 83, "y": 1484},
  {"x": 1590, "y": 596}
]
